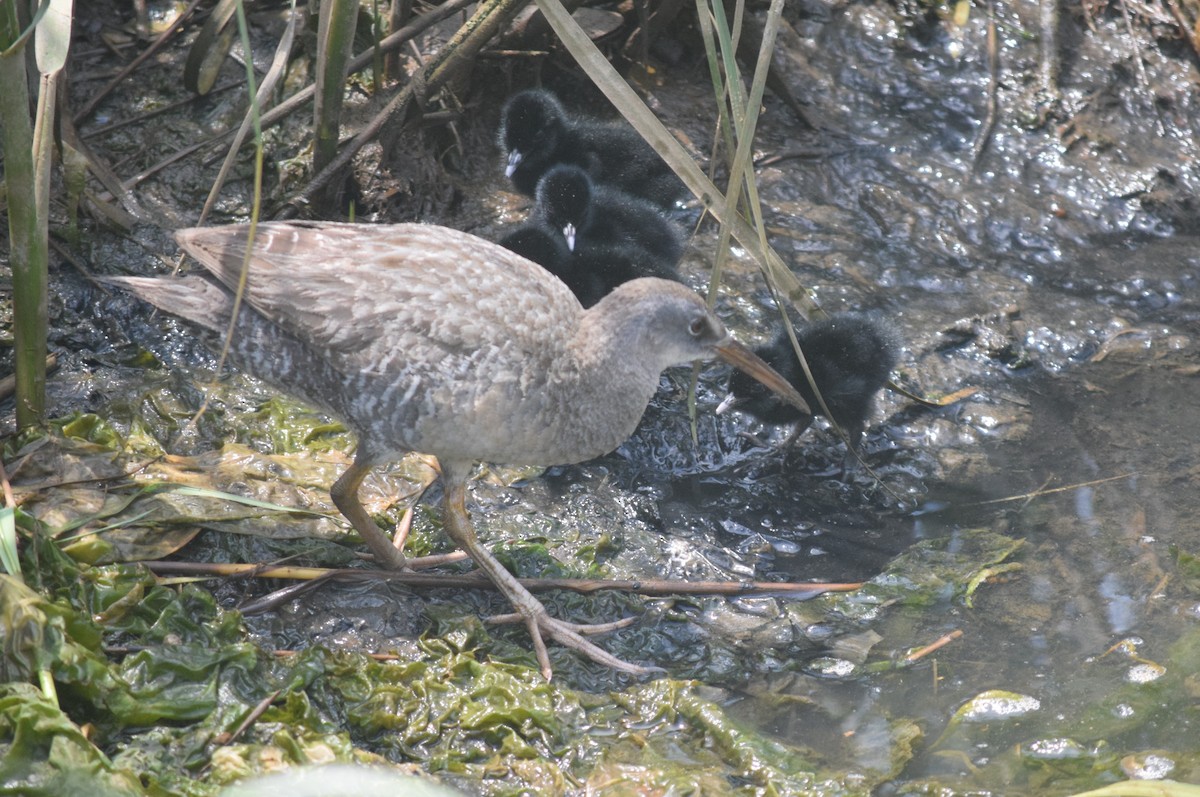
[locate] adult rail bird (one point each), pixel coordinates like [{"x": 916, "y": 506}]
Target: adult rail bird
[{"x": 424, "y": 338}]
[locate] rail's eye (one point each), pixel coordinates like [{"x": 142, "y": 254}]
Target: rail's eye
[{"x": 696, "y": 327}]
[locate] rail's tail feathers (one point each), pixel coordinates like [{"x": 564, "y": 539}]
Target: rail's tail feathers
[{"x": 192, "y": 297}]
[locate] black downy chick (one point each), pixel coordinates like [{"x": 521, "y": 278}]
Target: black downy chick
[
  {"x": 850, "y": 356},
  {"x": 592, "y": 214},
  {"x": 536, "y": 134},
  {"x": 542, "y": 244},
  {"x": 537, "y": 241},
  {"x": 591, "y": 272}
]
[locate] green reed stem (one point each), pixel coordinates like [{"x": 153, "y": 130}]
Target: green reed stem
[
  {"x": 335, "y": 40},
  {"x": 28, "y": 241}
]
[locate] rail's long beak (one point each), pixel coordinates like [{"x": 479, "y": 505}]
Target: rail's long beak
[{"x": 750, "y": 363}]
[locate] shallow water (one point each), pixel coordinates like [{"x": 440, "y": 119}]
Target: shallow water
[{"x": 1053, "y": 282}]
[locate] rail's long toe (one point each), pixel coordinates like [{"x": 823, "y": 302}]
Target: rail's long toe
[{"x": 539, "y": 622}]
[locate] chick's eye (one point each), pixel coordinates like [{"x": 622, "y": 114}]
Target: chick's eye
[{"x": 696, "y": 327}]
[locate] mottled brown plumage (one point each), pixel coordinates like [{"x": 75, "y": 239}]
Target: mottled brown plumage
[{"x": 424, "y": 338}]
